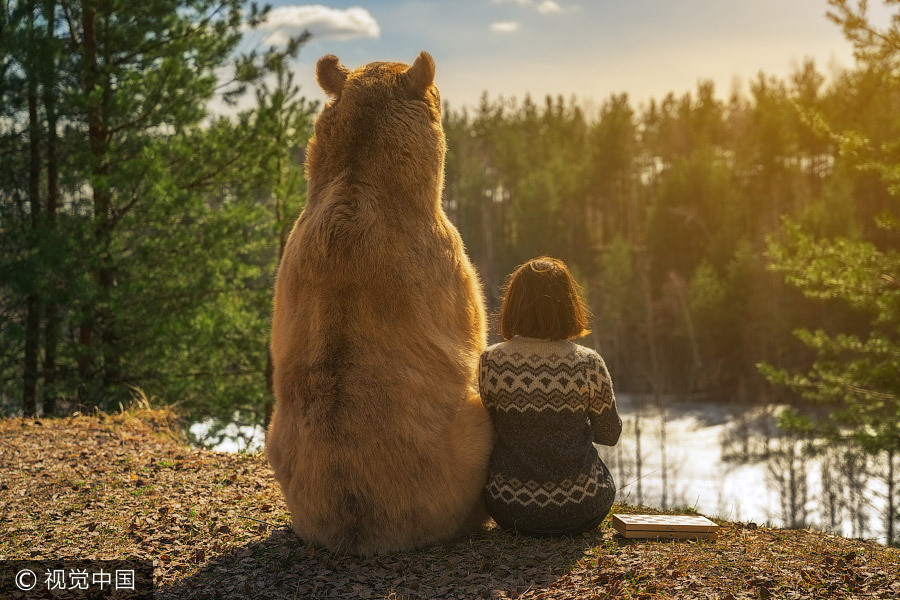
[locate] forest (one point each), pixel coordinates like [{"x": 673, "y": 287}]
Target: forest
[{"x": 740, "y": 246}]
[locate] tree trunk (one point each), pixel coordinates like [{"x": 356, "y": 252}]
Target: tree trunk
[
  {"x": 32, "y": 302},
  {"x": 51, "y": 342},
  {"x": 4, "y": 64},
  {"x": 89, "y": 52},
  {"x": 86, "y": 347},
  {"x": 32, "y": 340},
  {"x": 51, "y": 339},
  {"x": 891, "y": 506},
  {"x": 112, "y": 367},
  {"x": 489, "y": 262},
  {"x": 653, "y": 376},
  {"x": 638, "y": 456},
  {"x": 105, "y": 275}
]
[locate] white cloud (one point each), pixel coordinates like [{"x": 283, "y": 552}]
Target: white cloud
[
  {"x": 323, "y": 22},
  {"x": 504, "y": 27},
  {"x": 548, "y": 6},
  {"x": 545, "y": 7}
]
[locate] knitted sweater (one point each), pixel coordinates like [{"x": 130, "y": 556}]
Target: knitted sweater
[{"x": 549, "y": 400}]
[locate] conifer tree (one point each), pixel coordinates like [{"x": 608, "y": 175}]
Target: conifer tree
[
  {"x": 117, "y": 192},
  {"x": 855, "y": 376}
]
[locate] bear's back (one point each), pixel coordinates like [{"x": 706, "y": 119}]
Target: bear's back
[{"x": 377, "y": 439}]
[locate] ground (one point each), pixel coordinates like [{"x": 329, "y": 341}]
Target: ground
[{"x": 215, "y": 525}]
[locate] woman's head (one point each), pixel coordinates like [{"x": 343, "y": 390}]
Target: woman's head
[{"x": 542, "y": 300}]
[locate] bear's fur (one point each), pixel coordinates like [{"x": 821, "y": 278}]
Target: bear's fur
[{"x": 378, "y": 439}]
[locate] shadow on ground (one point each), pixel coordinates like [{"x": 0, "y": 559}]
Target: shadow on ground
[{"x": 491, "y": 564}]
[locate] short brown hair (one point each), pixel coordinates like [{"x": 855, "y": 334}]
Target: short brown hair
[{"x": 542, "y": 300}]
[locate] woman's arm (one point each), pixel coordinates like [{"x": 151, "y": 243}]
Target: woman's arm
[{"x": 605, "y": 420}]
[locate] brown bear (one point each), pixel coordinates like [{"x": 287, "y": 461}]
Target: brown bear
[{"x": 378, "y": 439}]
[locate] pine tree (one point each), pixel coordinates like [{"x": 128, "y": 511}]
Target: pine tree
[
  {"x": 856, "y": 377},
  {"x": 117, "y": 191}
]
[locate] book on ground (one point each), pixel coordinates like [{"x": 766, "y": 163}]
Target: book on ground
[{"x": 665, "y": 526}]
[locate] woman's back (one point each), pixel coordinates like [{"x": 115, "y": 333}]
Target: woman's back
[{"x": 549, "y": 400}]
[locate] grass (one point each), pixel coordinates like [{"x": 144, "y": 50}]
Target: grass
[{"x": 215, "y": 525}]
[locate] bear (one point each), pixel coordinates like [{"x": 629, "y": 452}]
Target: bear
[{"x": 378, "y": 439}]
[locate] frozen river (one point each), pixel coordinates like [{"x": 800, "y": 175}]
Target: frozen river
[{"x": 705, "y": 468}]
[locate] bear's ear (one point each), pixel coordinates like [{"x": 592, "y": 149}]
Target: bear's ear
[
  {"x": 421, "y": 74},
  {"x": 331, "y": 74}
]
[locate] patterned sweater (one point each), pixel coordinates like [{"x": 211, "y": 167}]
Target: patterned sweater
[{"x": 549, "y": 400}]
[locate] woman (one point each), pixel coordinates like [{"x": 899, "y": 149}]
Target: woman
[{"x": 549, "y": 399}]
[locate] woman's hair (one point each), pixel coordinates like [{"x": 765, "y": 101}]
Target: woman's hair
[{"x": 542, "y": 300}]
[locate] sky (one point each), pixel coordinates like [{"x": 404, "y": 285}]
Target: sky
[{"x": 586, "y": 48}]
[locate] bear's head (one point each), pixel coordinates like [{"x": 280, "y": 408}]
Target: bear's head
[{"x": 381, "y": 128}]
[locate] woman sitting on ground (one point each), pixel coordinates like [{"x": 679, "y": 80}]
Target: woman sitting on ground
[{"x": 549, "y": 399}]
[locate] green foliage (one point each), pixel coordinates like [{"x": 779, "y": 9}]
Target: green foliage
[
  {"x": 856, "y": 374},
  {"x": 159, "y": 253},
  {"x": 854, "y": 379},
  {"x": 707, "y": 297}
]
